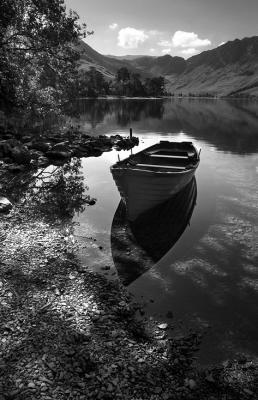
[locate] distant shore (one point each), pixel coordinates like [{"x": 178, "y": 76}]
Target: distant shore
[{"x": 253, "y": 98}]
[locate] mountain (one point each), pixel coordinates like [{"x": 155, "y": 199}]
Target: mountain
[
  {"x": 107, "y": 65},
  {"x": 163, "y": 65},
  {"x": 228, "y": 70}
]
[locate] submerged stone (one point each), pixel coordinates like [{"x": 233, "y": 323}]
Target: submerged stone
[{"x": 5, "y": 205}]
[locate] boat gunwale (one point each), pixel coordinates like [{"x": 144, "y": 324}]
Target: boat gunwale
[{"x": 133, "y": 168}]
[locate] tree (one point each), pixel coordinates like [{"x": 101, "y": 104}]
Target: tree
[
  {"x": 155, "y": 86},
  {"x": 137, "y": 86},
  {"x": 92, "y": 84},
  {"x": 123, "y": 81},
  {"x": 37, "y": 53}
]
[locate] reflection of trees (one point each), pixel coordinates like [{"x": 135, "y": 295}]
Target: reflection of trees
[
  {"x": 94, "y": 111},
  {"x": 125, "y": 111},
  {"x": 52, "y": 193}
]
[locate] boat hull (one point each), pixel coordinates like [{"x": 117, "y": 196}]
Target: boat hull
[
  {"x": 137, "y": 245},
  {"x": 143, "y": 190}
]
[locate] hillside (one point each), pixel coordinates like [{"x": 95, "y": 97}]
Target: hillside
[
  {"x": 107, "y": 65},
  {"x": 228, "y": 70}
]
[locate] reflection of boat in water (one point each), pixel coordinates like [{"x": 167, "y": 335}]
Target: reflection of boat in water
[
  {"x": 153, "y": 175},
  {"x": 136, "y": 245}
]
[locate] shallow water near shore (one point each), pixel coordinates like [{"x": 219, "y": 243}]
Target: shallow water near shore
[{"x": 209, "y": 278}]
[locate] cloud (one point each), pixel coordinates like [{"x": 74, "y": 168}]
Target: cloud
[
  {"x": 130, "y": 38},
  {"x": 113, "y": 26},
  {"x": 189, "y": 52},
  {"x": 166, "y": 51},
  {"x": 154, "y": 32},
  {"x": 151, "y": 50},
  {"x": 164, "y": 43},
  {"x": 188, "y": 39}
]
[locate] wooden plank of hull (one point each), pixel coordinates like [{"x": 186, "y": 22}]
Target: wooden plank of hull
[{"x": 143, "y": 191}]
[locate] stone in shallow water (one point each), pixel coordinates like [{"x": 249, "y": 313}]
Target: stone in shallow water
[
  {"x": 5, "y": 204},
  {"x": 163, "y": 326}
]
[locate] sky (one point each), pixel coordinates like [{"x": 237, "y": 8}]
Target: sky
[{"x": 157, "y": 27}]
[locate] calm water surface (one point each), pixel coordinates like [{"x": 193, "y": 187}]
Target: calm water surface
[{"x": 209, "y": 278}]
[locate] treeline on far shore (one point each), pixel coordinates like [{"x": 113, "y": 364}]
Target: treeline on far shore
[{"x": 92, "y": 83}]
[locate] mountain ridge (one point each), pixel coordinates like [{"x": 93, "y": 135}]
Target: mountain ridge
[{"x": 228, "y": 70}]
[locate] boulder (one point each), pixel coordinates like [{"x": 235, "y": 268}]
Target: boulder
[
  {"x": 5, "y": 148},
  {"x": 61, "y": 147},
  {"x": 5, "y": 205},
  {"x": 20, "y": 155},
  {"x": 61, "y": 155},
  {"x": 43, "y": 161},
  {"x": 41, "y": 146}
]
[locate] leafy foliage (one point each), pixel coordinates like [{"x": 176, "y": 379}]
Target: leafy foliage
[
  {"x": 37, "y": 59},
  {"x": 93, "y": 84}
]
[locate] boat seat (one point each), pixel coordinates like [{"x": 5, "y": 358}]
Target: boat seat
[
  {"x": 160, "y": 166},
  {"x": 168, "y": 156}
]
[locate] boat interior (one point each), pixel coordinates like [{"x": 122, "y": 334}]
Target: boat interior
[{"x": 165, "y": 156}]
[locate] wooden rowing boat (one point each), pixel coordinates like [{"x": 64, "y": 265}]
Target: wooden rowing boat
[{"x": 153, "y": 175}]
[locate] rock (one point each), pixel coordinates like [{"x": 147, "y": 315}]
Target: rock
[
  {"x": 61, "y": 147},
  {"x": 110, "y": 388},
  {"x": 41, "y": 146},
  {"x": 20, "y": 155},
  {"x": 163, "y": 326},
  {"x": 91, "y": 202},
  {"x": 249, "y": 392},
  {"x": 5, "y": 205},
  {"x": 31, "y": 385},
  {"x": 209, "y": 378},
  {"x": 5, "y": 148},
  {"x": 14, "y": 168},
  {"x": 61, "y": 155},
  {"x": 43, "y": 161},
  {"x": 190, "y": 383}
]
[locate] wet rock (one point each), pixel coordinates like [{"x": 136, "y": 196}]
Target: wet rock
[
  {"x": 190, "y": 383},
  {"x": 5, "y": 148},
  {"x": 163, "y": 326},
  {"x": 91, "y": 202},
  {"x": 15, "y": 168},
  {"x": 20, "y": 155},
  {"x": 249, "y": 392},
  {"x": 43, "y": 161},
  {"x": 61, "y": 155},
  {"x": 5, "y": 205},
  {"x": 41, "y": 146},
  {"x": 61, "y": 147}
]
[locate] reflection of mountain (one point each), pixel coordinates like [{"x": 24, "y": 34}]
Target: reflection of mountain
[
  {"x": 228, "y": 125},
  {"x": 137, "y": 245}
]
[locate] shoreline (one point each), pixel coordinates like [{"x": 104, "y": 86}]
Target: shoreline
[{"x": 254, "y": 98}]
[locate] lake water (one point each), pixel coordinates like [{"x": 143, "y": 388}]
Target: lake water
[{"x": 209, "y": 278}]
